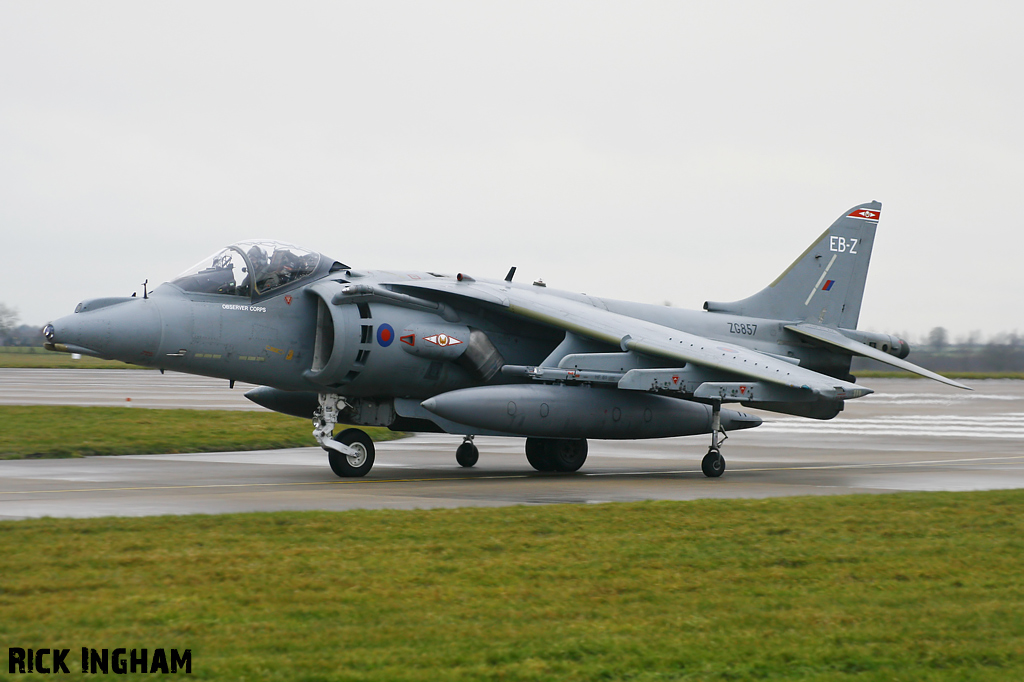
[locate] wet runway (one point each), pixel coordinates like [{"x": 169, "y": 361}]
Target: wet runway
[
  {"x": 120, "y": 388},
  {"x": 910, "y": 435}
]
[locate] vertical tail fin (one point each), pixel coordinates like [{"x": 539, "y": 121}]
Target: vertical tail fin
[{"x": 825, "y": 284}]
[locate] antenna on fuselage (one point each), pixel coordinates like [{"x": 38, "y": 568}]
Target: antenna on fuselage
[
  {"x": 145, "y": 293},
  {"x": 511, "y": 274}
]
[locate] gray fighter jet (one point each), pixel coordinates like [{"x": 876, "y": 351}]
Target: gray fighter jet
[{"x": 422, "y": 351}]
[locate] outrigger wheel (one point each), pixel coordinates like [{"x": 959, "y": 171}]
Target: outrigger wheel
[
  {"x": 713, "y": 464},
  {"x": 354, "y": 465},
  {"x": 467, "y": 454}
]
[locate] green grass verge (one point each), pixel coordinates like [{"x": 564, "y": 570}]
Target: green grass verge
[
  {"x": 33, "y": 357},
  {"x": 882, "y": 374},
  {"x": 45, "y": 431},
  {"x": 904, "y": 587}
]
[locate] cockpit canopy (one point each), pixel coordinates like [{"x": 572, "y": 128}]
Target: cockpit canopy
[{"x": 249, "y": 268}]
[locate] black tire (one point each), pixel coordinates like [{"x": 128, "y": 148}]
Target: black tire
[
  {"x": 537, "y": 454},
  {"x": 713, "y": 464},
  {"x": 567, "y": 455},
  {"x": 352, "y": 466},
  {"x": 467, "y": 455}
]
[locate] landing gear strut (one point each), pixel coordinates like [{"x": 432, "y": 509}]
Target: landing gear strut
[
  {"x": 713, "y": 464},
  {"x": 556, "y": 454},
  {"x": 351, "y": 454},
  {"x": 467, "y": 454}
]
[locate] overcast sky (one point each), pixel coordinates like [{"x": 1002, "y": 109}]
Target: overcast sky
[{"x": 648, "y": 151}]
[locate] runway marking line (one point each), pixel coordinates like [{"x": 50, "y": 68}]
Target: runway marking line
[{"x": 510, "y": 476}]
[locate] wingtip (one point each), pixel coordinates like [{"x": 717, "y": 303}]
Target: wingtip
[{"x": 950, "y": 382}]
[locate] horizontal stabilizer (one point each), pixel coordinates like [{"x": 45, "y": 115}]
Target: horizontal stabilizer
[{"x": 833, "y": 337}]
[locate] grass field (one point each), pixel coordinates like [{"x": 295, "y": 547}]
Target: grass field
[
  {"x": 905, "y": 587},
  {"x": 46, "y": 431},
  {"x": 39, "y": 358}
]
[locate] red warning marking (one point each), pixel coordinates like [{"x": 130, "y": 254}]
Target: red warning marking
[
  {"x": 288, "y": 300},
  {"x": 865, "y": 214},
  {"x": 409, "y": 339},
  {"x": 675, "y": 379},
  {"x": 743, "y": 389}
]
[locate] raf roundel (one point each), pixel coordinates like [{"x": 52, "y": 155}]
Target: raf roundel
[{"x": 385, "y": 334}]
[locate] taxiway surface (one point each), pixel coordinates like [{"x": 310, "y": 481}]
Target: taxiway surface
[{"x": 910, "y": 435}]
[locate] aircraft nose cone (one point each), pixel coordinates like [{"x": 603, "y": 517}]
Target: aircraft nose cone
[{"x": 128, "y": 331}]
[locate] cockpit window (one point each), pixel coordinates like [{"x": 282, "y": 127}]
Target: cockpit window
[
  {"x": 226, "y": 272},
  {"x": 277, "y": 264},
  {"x": 247, "y": 268}
]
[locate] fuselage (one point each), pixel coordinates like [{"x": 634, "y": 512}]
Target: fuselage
[{"x": 281, "y": 340}]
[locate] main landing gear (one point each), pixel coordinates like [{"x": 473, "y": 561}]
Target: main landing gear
[
  {"x": 351, "y": 452},
  {"x": 467, "y": 454},
  {"x": 713, "y": 464},
  {"x": 556, "y": 454}
]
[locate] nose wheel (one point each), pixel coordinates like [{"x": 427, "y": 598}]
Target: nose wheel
[
  {"x": 467, "y": 454},
  {"x": 351, "y": 453},
  {"x": 358, "y": 461},
  {"x": 713, "y": 464}
]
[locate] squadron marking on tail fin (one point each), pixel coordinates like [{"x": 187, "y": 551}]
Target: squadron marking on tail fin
[
  {"x": 865, "y": 214},
  {"x": 821, "y": 279}
]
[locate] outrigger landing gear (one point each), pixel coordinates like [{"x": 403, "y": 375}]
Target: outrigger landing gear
[
  {"x": 467, "y": 454},
  {"x": 351, "y": 454},
  {"x": 713, "y": 464}
]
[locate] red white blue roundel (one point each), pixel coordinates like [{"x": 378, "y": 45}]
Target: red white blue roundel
[{"x": 385, "y": 334}]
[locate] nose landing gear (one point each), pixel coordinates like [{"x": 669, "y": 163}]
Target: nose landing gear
[
  {"x": 358, "y": 461},
  {"x": 351, "y": 453}
]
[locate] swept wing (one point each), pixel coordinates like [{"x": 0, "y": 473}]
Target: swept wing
[{"x": 641, "y": 336}]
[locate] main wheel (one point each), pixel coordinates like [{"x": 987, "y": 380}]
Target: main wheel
[
  {"x": 713, "y": 464},
  {"x": 354, "y": 465},
  {"x": 537, "y": 454},
  {"x": 567, "y": 455},
  {"x": 467, "y": 455}
]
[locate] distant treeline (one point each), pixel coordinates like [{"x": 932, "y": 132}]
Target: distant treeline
[{"x": 22, "y": 335}]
